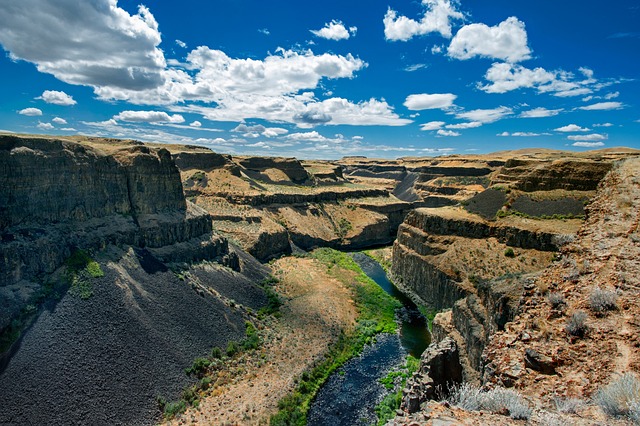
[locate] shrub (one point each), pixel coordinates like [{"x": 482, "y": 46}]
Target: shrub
[
  {"x": 199, "y": 367},
  {"x": 509, "y": 252},
  {"x": 556, "y": 300},
  {"x": 569, "y": 405},
  {"x": 499, "y": 400},
  {"x": 216, "y": 352},
  {"x": 602, "y": 300},
  {"x": 621, "y": 397},
  {"x": 232, "y": 349},
  {"x": 577, "y": 324}
]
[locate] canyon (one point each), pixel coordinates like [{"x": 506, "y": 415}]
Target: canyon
[{"x": 186, "y": 238}]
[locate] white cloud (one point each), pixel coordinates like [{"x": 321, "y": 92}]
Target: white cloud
[
  {"x": 57, "y": 98},
  {"x": 32, "y": 112},
  {"x": 415, "y": 67},
  {"x": 335, "y": 30},
  {"x": 521, "y": 134},
  {"x": 506, "y": 77},
  {"x": 506, "y": 41},
  {"x": 272, "y": 132},
  {"x": 181, "y": 44},
  {"x": 447, "y": 133},
  {"x": 307, "y": 136},
  {"x": 572, "y": 128},
  {"x": 612, "y": 95},
  {"x": 423, "y": 101},
  {"x": 264, "y": 31},
  {"x": 68, "y": 129},
  {"x": 469, "y": 125},
  {"x": 436, "y": 18},
  {"x": 432, "y": 125},
  {"x": 603, "y": 125},
  {"x": 591, "y": 137},
  {"x": 588, "y": 144},
  {"x": 93, "y": 43},
  {"x": 602, "y": 106},
  {"x": 540, "y": 113},
  {"x": 195, "y": 123},
  {"x": 485, "y": 115},
  {"x": 45, "y": 126},
  {"x": 149, "y": 117},
  {"x": 59, "y": 120}
]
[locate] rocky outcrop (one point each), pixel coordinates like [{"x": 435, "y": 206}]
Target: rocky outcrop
[
  {"x": 58, "y": 196},
  {"x": 544, "y": 175},
  {"x": 439, "y": 371},
  {"x": 290, "y": 166}
]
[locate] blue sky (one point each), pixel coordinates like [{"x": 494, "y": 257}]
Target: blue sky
[{"x": 326, "y": 79}]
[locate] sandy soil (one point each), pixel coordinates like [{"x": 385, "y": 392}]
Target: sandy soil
[{"x": 316, "y": 307}]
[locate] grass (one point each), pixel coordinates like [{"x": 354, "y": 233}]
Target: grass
[
  {"x": 395, "y": 381},
  {"x": 621, "y": 397},
  {"x": 498, "y": 401},
  {"x": 81, "y": 270},
  {"x": 202, "y": 368},
  {"x": 376, "y": 315},
  {"x": 273, "y": 300}
]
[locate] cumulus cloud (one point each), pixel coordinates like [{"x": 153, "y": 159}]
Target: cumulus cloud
[
  {"x": 570, "y": 128},
  {"x": 602, "y": 106},
  {"x": 424, "y": 101},
  {"x": 181, "y": 44},
  {"x": 588, "y": 144},
  {"x": 149, "y": 117},
  {"x": 195, "y": 123},
  {"x": 93, "y": 43},
  {"x": 59, "y": 120},
  {"x": 335, "y": 30},
  {"x": 32, "y": 112},
  {"x": 505, "y": 77},
  {"x": 436, "y": 19},
  {"x": 57, "y": 98},
  {"x": 45, "y": 126},
  {"x": 485, "y": 115},
  {"x": 591, "y": 137},
  {"x": 540, "y": 113},
  {"x": 506, "y": 41},
  {"x": 432, "y": 125},
  {"x": 469, "y": 125},
  {"x": 603, "y": 125},
  {"x": 442, "y": 132}
]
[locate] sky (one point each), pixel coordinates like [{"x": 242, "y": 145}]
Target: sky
[{"x": 378, "y": 78}]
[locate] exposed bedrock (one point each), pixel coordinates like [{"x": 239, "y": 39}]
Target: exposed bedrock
[
  {"x": 544, "y": 175},
  {"x": 56, "y": 196}
]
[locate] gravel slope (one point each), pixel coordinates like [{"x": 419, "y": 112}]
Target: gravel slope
[{"x": 104, "y": 360}]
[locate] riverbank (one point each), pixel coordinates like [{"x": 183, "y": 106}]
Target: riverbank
[{"x": 323, "y": 321}]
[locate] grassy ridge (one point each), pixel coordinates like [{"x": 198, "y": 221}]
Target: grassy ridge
[{"x": 376, "y": 315}]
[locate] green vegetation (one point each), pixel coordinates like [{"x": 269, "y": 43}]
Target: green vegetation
[
  {"x": 202, "y": 368},
  {"x": 344, "y": 226},
  {"x": 395, "y": 380},
  {"x": 376, "y": 315},
  {"x": 273, "y": 300},
  {"x": 505, "y": 213},
  {"x": 509, "y": 252},
  {"x": 81, "y": 269},
  {"x": 429, "y": 314},
  {"x": 383, "y": 262}
]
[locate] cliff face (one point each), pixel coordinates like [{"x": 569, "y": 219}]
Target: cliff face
[{"x": 57, "y": 196}]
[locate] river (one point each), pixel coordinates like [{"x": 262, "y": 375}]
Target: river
[{"x": 350, "y": 395}]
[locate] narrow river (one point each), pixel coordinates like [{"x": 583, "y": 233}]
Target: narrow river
[{"x": 351, "y": 394}]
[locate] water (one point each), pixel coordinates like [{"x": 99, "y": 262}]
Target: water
[
  {"x": 414, "y": 333},
  {"x": 350, "y": 395}
]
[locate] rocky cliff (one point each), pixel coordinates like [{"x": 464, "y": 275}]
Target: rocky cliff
[
  {"x": 513, "y": 329},
  {"x": 58, "y": 196}
]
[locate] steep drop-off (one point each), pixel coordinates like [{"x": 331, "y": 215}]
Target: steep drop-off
[{"x": 99, "y": 345}]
